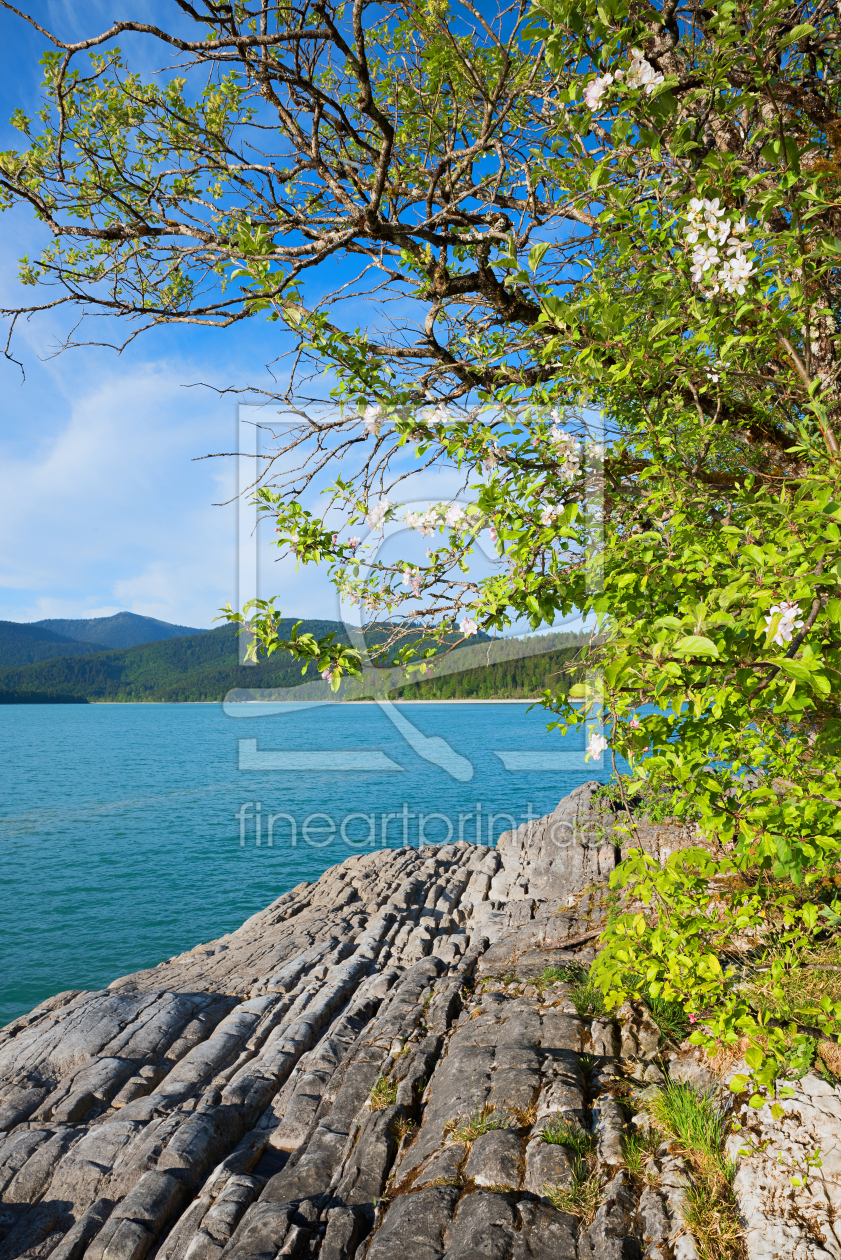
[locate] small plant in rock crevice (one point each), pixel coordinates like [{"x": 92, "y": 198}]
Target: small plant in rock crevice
[
  {"x": 562, "y": 1132},
  {"x": 402, "y": 1127},
  {"x": 384, "y": 1094},
  {"x": 637, "y": 1148},
  {"x": 525, "y": 1116},
  {"x": 467, "y": 1130},
  {"x": 586, "y": 997},
  {"x": 581, "y": 1198}
]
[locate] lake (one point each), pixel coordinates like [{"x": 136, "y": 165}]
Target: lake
[{"x": 132, "y": 832}]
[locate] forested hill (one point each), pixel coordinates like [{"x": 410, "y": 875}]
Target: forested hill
[
  {"x": 204, "y": 667},
  {"x": 25, "y": 644}
]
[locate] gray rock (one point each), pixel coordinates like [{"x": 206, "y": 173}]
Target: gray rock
[
  {"x": 547, "y": 1164},
  {"x": 414, "y": 1226},
  {"x": 483, "y": 1226},
  {"x": 544, "y": 1234},
  {"x": 495, "y": 1160}
]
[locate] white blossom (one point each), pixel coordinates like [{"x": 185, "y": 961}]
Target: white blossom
[
  {"x": 641, "y": 74},
  {"x": 467, "y": 626},
  {"x": 453, "y": 515},
  {"x": 595, "y": 90},
  {"x": 423, "y": 522},
  {"x": 705, "y": 256},
  {"x": 734, "y": 273},
  {"x": 373, "y": 420},
  {"x": 377, "y": 514},
  {"x": 787, "y": 624},
  {"x": 596, "y": 744}
]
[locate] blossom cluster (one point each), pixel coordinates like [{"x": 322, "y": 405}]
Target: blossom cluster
[
  {"x": 452, "y": 515},
  {"x": 787, "y": 613},
  {"x": 412, "y": 579},
  {"x": 567, "y": 450},
  {"x": 640, "y": 74},
  {"x": 708, "y": 219},
  {"x": 377, "y": 514}
]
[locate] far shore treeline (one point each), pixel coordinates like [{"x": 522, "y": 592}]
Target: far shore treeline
[{"x": 204, "y": 667}]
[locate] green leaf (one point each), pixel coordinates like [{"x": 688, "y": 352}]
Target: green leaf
[
  {"x": 536, "y": 254},
  {"x": 798, "y": 32},
  {"x": 698, "y": 645},
  {"x": 754, "y": 1057}
]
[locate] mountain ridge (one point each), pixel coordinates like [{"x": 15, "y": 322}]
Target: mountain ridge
[{"x": 120, "y": 630}]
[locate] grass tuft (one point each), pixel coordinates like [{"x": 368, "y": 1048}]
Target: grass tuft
[
  {"x": 485, "y": 1120},
  {"x": 638, "y": 1147},
  {"x": 695, "y": 1123},
  {"x": 670, "y": 1017},
  {"x": 691, "y": 1118},
  {"x": 525, "y": 1116},
  {"x": 581, "y": 1199},
  {"x": 384, "y": 1094},
  {"x": 562, "y": 1132},
  {"x": 401, "y": 1127},
  {"x": 586, "y": 997}
]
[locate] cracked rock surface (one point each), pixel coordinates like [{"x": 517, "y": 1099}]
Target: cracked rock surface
[{"x": 363, "y": 1070}]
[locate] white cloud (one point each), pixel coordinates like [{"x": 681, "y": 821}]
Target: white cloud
[{"x": 109, "y": 512}]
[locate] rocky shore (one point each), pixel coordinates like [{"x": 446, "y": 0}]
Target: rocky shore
[{"x": 365, "y": 1070}]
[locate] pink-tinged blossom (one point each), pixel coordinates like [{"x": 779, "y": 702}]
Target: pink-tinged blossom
[
  {"x": 596, "y": 745},
  {"x": 327, "y": 675},
  {"x": 596, "y": 89},
  {"x": 468, "y": 626},
  {"x": 634, "y": 723},
  {"x": 377, "y": 514},
  {"x": 453, "y": 515},
  {"x": 494, "y": 535},
  {"x": 354, "y": 542},
  {"x": 787, "y": 624}
]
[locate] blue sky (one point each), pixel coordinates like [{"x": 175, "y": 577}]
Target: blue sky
[{"x": 101, "y": 504}]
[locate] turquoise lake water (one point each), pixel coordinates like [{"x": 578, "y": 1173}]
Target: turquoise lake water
[{"x": 129, "y": 831}]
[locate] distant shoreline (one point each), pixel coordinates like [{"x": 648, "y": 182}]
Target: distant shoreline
[{"x": 121, "y": 704}]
